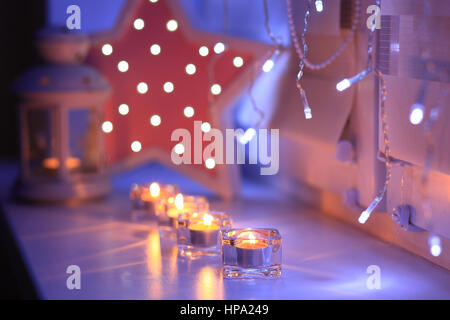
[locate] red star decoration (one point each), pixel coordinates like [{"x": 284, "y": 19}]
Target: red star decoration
[{"x": 178, "y": 48}]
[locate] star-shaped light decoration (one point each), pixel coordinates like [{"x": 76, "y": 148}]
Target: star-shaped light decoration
[{"x": 158, "y": 67}]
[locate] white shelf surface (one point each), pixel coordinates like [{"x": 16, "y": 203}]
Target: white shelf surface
[{"x": 122, "y": 258}]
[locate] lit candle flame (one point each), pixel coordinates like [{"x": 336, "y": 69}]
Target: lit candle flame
[
  {"x": 207, "y": 219},
  {"x": 179, "y": 202},
  {"x": 251, "y": 238},
  {"x": 155, "y": 190}
]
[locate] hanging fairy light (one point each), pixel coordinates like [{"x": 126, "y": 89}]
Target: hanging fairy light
[
  {"x": 302, "y": 52},
  {"x": 435, "y": 245},
  {"x": 268, "y": 63},
  {"x": 347, "y": 83},
  {"x": 387, "y": 150},
  {"x": 247, "y": 136},
  {"x": 417, "y": 111},
  {"x": 319, "y": 5}
]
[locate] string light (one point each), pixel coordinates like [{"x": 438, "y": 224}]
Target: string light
[
  {"x": 268, "y": 65},
  {"x": 435, "y": 246},
  {"x": 417, "y": 111},
  {"x": 319, "y": 5},
  {"x": 416, "y": 116},
  {"x": 387, "y": 153},
  {"x": 387, "y": 150},
  {"x": 347, "y": 83},
  {"x": 434, "y": 241},
  {"x": 248, "y": 135},
  {"x": 302, "y": 53}
]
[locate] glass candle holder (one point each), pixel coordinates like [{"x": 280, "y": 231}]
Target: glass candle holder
[
  {"x": 198, "y": 233},
  {"x": 146, "y": 196},
  {"x": 168, "y": 210},
  {"x": 251, "y": 253}
]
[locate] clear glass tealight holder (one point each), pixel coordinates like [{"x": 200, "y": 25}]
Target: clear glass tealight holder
[
  {"x": 199, "y": 233},
  {"x": 168, "y": 210},
  {"x": 144, "y": 197},
  {"x": 251, "y": 253}
]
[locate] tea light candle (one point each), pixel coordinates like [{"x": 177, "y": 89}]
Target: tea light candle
[
  {"x": 251, "y": 253},
  {"x": 205, "y": 232},
  {"x": 198, "y": 233},
  {"x": 152, "y": 193},
  {"x": 250, "y": 250},
  {"x": 174, "y": 211}
]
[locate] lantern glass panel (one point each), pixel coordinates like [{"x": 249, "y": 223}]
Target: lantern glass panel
[
  {"x": 42, "y": 156},
  {"x": 83, "y": 136}
]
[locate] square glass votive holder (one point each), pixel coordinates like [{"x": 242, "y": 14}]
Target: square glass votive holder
[
  {"x": 168, "y": 210},
  {"x": 144, "y": 197},
  {"x": 199, "y": 233},
  {"x": 251, "y": 253}
]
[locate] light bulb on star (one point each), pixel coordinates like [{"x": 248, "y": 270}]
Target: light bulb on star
[
  {"x": 248, "y": 135},
  {"x": 416, "y": 113},
  {"x": 435, "y": 246},
  {"x": 319, "y": 5}
]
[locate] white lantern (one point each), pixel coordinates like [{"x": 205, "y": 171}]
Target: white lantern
[{"x": 62, "y": 149}]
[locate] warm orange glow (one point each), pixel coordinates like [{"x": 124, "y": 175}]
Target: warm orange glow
[
  {"x": 179, "y": 201},
  {"x": 205, "y": 225},
  {"x": 154, "y": 190},
  {"x": 173, "y": 212},
  {"x": 53, "y": 163},
  {"x": 207, "y": 219},
  {"x": 209, "y": 285},
  {"x": 252, "y": 238},
  {"x": 154, "y": 263},
  {"x": 250, "y": 241}
]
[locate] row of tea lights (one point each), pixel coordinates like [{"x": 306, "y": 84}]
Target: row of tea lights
[{"x": 200, "y": 232}]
